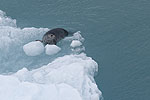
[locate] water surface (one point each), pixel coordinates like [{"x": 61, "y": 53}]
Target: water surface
[{"x": 116, "y": 35}]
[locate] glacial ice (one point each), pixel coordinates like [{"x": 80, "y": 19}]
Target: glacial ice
[
  {"x": 51, "y": 49},
  {"x": 75, "y": 43},
  {"x": 65, "y": 76},
  {"x": 33, "y": 48},
  {"x": 12, "y": 89}
]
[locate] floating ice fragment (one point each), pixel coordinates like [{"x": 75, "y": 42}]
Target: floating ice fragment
[
  {"x": 33, "y": 48},
  {"x": 52, "y": 49},
  {"x": 75, "y": 43},
  {"x": 76, "y": 36}
]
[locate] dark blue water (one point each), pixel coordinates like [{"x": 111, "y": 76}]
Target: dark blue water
[{"x": 116, "y": 32}]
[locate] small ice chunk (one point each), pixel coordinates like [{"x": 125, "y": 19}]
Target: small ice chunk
[
  {"x": 75, "y": 43},
  {"x": 52, "y": 49},
  {"x": 33, "y": 48}
]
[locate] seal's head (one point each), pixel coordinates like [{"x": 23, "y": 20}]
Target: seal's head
[
  {"x": 53, "y": 36},
  {"x": 49, "y": 39}
]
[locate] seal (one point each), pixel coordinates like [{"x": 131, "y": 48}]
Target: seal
[{"x": 54, "y": 36}]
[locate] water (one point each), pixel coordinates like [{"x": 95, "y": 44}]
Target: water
[{"x": 116, "y": 35}]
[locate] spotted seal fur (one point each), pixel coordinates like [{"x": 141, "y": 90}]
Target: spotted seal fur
[{"x": 53, "y": 36}]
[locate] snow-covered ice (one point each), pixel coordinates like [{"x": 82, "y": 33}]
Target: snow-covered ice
[
  {"x": 13, "y": 89},
  {"x": 36, "y": 48},
  {"x": 65, "y": 76},
  {"x": 75, "y": 43},
  {"x": 33, "y": 48},
  {"x": 52, "y": 49}
]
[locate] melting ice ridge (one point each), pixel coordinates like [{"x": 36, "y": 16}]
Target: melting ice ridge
[{"x": 67, "y": 75}]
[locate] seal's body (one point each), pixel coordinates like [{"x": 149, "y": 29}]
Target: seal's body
[{"x": 53, "y": 36}]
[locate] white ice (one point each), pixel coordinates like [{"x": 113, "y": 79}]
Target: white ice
[
  {"x": 6, "y": 21},
  {"x": 33, "y": 48},
  {"x": 68, "y": 76},
  {"x": 51, "y": 49},
  {"x": 75, "y": 43},
  {"x": 13, "y": 89}
]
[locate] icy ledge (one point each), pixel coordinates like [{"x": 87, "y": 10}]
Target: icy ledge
[
  {"x": 70, "y": 77},
  {"x": 66, "y": 78}
]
